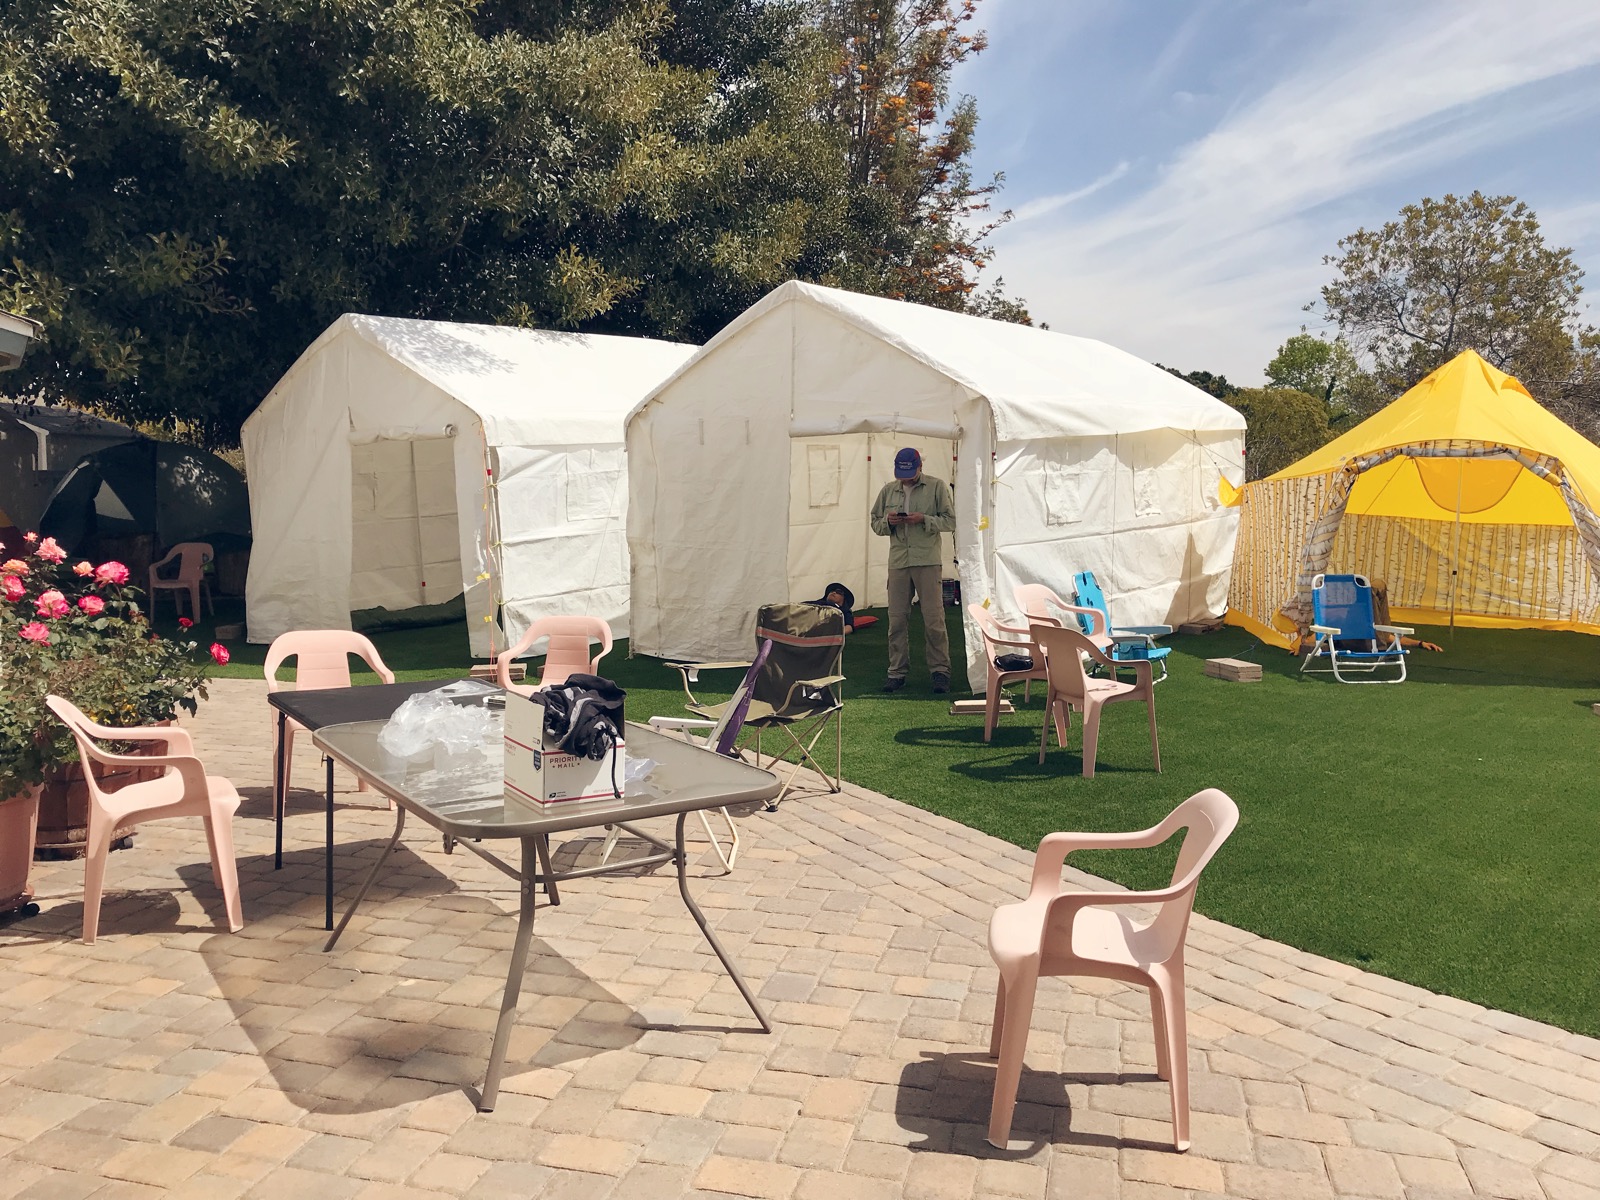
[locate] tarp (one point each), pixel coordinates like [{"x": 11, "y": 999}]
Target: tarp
[
  {"x": 753, "y": 469},
  {"x": 400, "y": 463},
  {"x": 1472, "y": 501},
  {"x": 177, "y": 493}
]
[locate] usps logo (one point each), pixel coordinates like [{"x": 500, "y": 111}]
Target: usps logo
[{"x": 538, "y": 760}]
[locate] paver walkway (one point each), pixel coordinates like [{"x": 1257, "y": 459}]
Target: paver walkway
[{"x": 173, "y": 1059}]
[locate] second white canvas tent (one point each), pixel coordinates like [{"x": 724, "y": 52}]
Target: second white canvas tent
[
  {"x": 752, "y": 470},
  {"x": 402, "y": 463}
]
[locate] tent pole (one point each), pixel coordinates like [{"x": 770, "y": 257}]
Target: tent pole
[{"x": 1455, "y": 553}]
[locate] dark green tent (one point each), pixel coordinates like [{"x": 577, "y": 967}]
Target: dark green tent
[{"x": 175, "y": 493}]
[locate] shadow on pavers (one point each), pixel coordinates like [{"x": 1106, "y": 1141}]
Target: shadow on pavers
[
  {"x": 405, "y": 1004},
  {"x": 944, "y": 1099}
]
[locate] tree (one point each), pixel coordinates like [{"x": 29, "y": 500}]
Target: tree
[
  {"x": 1211, "y": 385},
  {"x": 1283, "y": 425},
  {"x": 919, "y": 217},
  {"x": 1330, "y": 370},
  {"x": 1466, "y": 273},
  {"x": 190, "y": 194}
]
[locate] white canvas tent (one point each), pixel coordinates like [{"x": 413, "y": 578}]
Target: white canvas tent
[
  {"x": 400, "y": 463},
  {"x": 752, "y": 469}
]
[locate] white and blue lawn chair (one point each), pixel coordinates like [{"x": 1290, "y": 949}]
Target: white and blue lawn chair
[
  {"x": 1129, "y": 644},
  {"x": 1341, "y": 612}
]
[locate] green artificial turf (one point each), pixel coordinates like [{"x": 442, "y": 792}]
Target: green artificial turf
[{"x": 1444, "y": 832}]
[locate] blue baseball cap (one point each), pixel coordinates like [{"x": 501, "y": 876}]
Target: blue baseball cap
[{"x": 907, "y": 464}]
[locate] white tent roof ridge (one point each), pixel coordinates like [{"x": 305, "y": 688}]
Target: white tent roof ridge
[
  {"x": 1014, "y": 384},
  {"x": 420, "y": 346}
]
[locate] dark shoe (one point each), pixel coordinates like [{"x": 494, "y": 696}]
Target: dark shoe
[
  {"x": 941, "y": 683},
  {"x": 892, "y": 684}
]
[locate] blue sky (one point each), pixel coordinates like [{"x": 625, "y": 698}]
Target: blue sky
[{"x": 1179, "y": 168}]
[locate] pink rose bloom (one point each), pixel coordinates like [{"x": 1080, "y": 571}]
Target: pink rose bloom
[
  {"x": 184, "y": 623},
  {"x": 111, "y": 572},
  {"x": 12, "y": 587},
  {"x": 92, "y": 605},
  {"x": 83, "y": 568},
  {"x": 52, "y": 604},
  {"x": 30, "y": 537},
  {"x": 50, "y": 550},
  {"x": 219, "y": 652},
  {"x": 14, "y": 566},
  {"x": 35, "y": 632}
]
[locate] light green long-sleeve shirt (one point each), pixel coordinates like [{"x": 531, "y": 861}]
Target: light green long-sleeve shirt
[{"x": 915, "y": 545}]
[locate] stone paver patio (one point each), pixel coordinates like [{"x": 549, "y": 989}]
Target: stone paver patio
[{"x": 175, "y": 1059}]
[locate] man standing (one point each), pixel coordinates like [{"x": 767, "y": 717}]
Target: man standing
[{"x": 912, "y": 511}]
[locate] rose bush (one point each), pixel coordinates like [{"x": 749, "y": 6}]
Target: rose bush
[{"x": 78, "y": 631}]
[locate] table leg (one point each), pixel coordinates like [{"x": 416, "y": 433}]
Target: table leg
[
  {"x": 700, "y": 920},
  {"x": 543, "y": 844},
  {"x": 399, "y": 824},
  {"x": 519, "y": 962},
  {"x": 328, "y": 848},
  {"x": 278, "y": 798}
]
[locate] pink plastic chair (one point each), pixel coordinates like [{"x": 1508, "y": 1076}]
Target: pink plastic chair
[
  {"x": 1071, "y": 688},
  {"x": 183, "y": 790},
  {"x": 322, "y": 660},
  {"x": 1043, "y": 607},
  {"x": 1060, "y": 932},
  {"x": 192, "y": 559},
  {"x": 567, "y": 654},
  {"x": 996, "y": 643}
]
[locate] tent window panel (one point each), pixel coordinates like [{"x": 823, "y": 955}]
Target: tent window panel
[{"x": 824, "y": 476}]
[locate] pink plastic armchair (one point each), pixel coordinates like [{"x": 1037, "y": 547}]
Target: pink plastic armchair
[
  {"x": 1060, "y": 932},
  {"x": 322, "y": 660},
  {"x": 1071, "y": 688},
  {"x": 1000, "y": 640},
  {"x": 1043, "y": 607},
  {"x": 192, "y": 559},
  {"x": 183, "y": 790},
  {"x": 567, "y": 654}
]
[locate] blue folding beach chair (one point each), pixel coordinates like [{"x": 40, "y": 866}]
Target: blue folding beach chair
[
  {"x": 1135, "y": 643},
  {"x": 1341, "y": 614}
]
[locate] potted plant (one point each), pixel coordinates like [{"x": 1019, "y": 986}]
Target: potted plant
[{"x": 75, "y": 629}]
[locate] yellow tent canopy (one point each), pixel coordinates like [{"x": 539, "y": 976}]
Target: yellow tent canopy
[{"x": 1466, "y": 496}]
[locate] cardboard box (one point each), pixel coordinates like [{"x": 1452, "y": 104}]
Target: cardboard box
[{"x": 541, "y": 774}]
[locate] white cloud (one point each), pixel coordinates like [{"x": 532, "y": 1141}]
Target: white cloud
[
  {"x": 1049, "y": 204},
  {"x": 1210, "y": 263}
]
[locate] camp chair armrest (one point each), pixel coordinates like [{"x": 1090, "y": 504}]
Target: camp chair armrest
[
  {"x": 1028, "y": 644},
  {"x": 689, "y": 672},
  {"x": 1152, "y": 631},
  {"x": 824, "y": 681},
  {"x": 681, "y": 723},
  {"x": 1329, "y": 630},
  {"x": 1397, "y": 630},
  {"x": 1129, "y": 635}
]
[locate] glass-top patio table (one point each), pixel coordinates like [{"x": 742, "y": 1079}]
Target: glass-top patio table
[{"x": 466, "y": 800}]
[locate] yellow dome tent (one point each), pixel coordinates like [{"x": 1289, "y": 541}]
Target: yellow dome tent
[{"x": 1467, "y": 497}]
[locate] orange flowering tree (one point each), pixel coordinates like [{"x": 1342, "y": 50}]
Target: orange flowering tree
[{"x": 908, "y": 145}]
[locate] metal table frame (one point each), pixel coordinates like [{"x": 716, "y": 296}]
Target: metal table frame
[{"x": 535, "y": 869}]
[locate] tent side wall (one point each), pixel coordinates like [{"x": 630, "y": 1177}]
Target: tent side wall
[
  {"x": 1142, "y": 511},
  {"x": 708, "y": 487},
  {"x": 297, "y": 456}
]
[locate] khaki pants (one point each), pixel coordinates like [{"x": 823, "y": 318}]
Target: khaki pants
[{"x": 930, "y": 592}]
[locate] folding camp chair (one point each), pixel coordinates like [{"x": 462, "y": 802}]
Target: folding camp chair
[
  {"x": 1129, "y": 644},
  {"x": 795, "y": 691},
  {"x": 722, "y": 737},
  {"x": 1341, "y": 614}
]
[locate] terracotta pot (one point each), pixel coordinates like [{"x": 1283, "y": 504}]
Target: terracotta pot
[
  {"x": 18, "y": 817},
  {"x": 64, "y": 804}
]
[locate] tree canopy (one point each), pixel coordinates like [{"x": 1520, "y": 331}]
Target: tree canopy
[
  {"x": 1283, "y": 425},
  {"x": 1463, "y": 273},
  {"x": 190, "y": 194}
]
